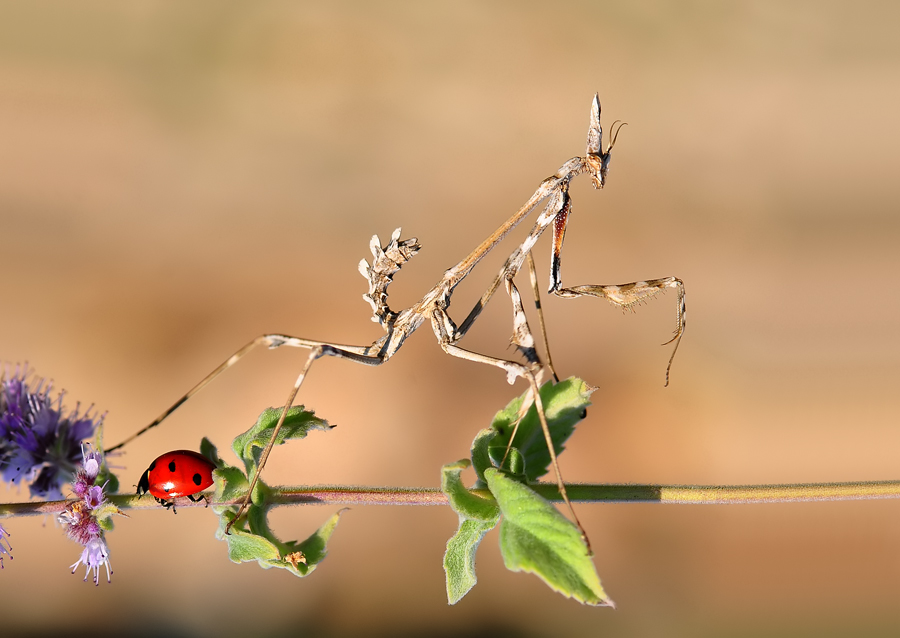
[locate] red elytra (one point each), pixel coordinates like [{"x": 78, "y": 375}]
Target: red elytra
[{"x": 174, "y": 474}]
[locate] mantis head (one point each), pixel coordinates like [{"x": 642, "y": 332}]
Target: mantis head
[{"x": 597, "y": 159}]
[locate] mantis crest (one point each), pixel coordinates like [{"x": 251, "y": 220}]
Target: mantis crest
[{"x": 433, "y": 306}]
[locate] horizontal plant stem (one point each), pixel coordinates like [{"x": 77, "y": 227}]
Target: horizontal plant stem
[{"x": 578, "y": 492}]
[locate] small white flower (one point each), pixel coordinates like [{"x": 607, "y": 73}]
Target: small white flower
[
  {"x": 94, "y": 556},
  {"x": 91, "y": 467}
]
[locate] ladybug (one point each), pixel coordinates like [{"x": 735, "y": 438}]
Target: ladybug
[{"x": 178, "y": 473}]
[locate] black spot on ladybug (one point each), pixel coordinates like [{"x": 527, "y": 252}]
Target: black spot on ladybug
[
  {"x": 584, "y": 413},
  {"x": 152, "y": 465},
  {"x": 171, "y": 466},
  {"x": 197, "y": 478}
]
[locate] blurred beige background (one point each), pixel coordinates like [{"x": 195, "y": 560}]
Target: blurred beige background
[{"x": 177, "y": 178}]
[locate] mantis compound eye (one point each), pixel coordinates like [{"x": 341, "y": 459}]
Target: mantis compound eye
[
  {"x": 598, "y": 166},
  {"x": 604, "y": 168}
]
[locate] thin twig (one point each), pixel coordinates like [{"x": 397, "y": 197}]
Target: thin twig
[{"x": 578, "y": 493}]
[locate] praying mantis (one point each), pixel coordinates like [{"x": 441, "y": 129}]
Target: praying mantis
[{"x": 433, "y": 306}]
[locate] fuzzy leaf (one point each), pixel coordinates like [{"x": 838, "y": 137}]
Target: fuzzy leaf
[
  {"x": 481, "y": 458},
  {"x": 106, "y": 511},
  {"x": 464, "y": 502},
  {"x": 536, "y": 538},
  {"x": 477, "y": 516},
  {"x": 459, "y": 559},
  {"x": 565, "y": 404},
  {"x": 104, "y": 514},
  {"x": 245, "y": 547},
  {"x": 230, "y": 482},
  {"x": 260, "y": 544},
  {"x": 230, "y": 485},
  {"x": 314, "y": 549},
  {"x": 297, "y": 423},
  {"x": 106, "y": 524},
  {"x": 514, "y": 462},
  {"x": 210, "y": 451},
  {"x": 250, "y": 538}
]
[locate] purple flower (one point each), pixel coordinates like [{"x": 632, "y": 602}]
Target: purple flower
[
  {"x": 94, "y": 497},
  {"x": 83, "y": 519},
  {"x": 38, "y": 442},
  {"x": 5, "y": 547},
  {"x": 79, "y": 523}
]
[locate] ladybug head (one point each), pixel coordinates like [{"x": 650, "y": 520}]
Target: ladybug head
[{"x": 143, "y": 485}]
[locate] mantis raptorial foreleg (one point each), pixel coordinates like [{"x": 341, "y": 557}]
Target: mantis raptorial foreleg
[
  {"x": 535, "y": 289},
  {"x": 558, "y": 204},
  {"x": 627, "y": 296}
]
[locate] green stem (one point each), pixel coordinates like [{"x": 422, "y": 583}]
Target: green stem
[{"x": 578, "y": 492}]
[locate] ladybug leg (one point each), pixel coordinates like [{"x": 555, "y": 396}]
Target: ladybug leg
[
  {"x": 202, "y": 497},
  {"x": 167, "y": 504}
]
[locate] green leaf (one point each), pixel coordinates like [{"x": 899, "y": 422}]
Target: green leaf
[
  {"x": 565, "y": 404},
  {"x": 464, "y": 502},
  {"x": 244, "y": 547},
  {"x": 210, "y": 451},
  {"x": 314, "y": 548},
  {"x": 459, "y": 559},
  {"x": 261, "y": 545},
  {"x": 251, "y": 538},
  {"x": 104, "y": 513},
  {"x": 507, "y": 459},
  {"x": 481, "y": 458},
  {"x": 477, "y": 516},
  {"x": 297, "y": 423},
  {"x": 536, "y": 538},
  {"x": 231, "y": 483}
]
